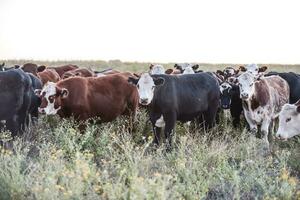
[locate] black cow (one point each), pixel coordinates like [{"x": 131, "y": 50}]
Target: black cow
[
  {"x": 294, "y": 83},
  {"x": 15, "y": 100},
  {"x": 230, "y": 99},
  {"x": 35, "y": 100},
  {"x": 183, "y": 98}
]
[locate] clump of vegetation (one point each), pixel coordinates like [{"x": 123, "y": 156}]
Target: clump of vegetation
[{"x": 55, "y": 161}]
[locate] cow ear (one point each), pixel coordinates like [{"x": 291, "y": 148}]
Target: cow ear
[
  {"x": 169, "y": 71},
  {"x": 37, "y": 92},
  {"x": 132, "y": 80},
  {"x": 41, "y": 68},
  {"x": 158, "y": 81},
  {"x": 242, "y": 68},
  {"x": 64, "y": 93},
  {"x": 176, "y": 65},
  {"x": 17, "y": 66},
  {"x": 195, "y": 67},
  {"x": 220, "y": 72},
  {"x": 263, "y": 69},
  {"x": 151, "y": 66}
]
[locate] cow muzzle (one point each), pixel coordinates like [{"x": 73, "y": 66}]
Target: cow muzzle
[
  {"x": 244, "y": 96},
  {"x": 144, "y": 101}
]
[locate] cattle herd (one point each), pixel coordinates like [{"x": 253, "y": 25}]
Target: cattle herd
[{"x": 184, "y": 93}]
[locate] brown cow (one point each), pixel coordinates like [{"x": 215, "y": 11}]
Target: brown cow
[
  {"x": 262, "y": 99},
  {"x": 48, "y": 75},
  {"x": 105, "y": 97},
  {"x": 83, "y": 72},
  {"x": 65, "y": 68}
]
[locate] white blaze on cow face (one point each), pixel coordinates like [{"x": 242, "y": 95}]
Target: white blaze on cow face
[
  {"x": 146, "y": 86},
  {"x": 289, "y": 119},
  {"x": 49, "y": 92},
  {"x": 157, "y": 69},
  {"x": 188, "y": 70},
  {"x": 225, "y": 86},
  {"x": 246, "y": 85}
]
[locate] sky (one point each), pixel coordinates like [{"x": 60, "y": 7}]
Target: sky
[{"x": 210, "y": 31}]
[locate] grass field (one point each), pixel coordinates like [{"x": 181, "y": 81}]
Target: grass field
[{"x": 53, "y": 160}]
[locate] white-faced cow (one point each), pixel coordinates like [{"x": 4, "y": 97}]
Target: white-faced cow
[
  {"x": 253, "y": 69},
  {"x": 182, "y": 66},
  {"x": 105, "y": 97},
  {"x": 178, "y": 98},
  {"x": 263, "y": 99},
  {"x": 289, "y": 121},
  {"x": 156, "y": 69}
]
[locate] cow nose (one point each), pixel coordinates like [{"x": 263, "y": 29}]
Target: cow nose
[
  {"x": 244, "y": 95},
  {"x": 144, "y": 100}
]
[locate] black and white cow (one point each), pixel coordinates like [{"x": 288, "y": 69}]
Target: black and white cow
[
  {"x": 183, "y": 66},
  {"x": 15, "y": 99},
  {"x": 227, "y": 72},
  {"x": 178, "y": 98},
  {"x": 230, "y": 99},
  {"x": 156, "y": 69},
  {"x": 263, "y": 98}
]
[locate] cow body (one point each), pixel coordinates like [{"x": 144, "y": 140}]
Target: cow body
[
  {"x": 104, "y": 97},
  {"x": 230, "y": 99},
  {"x": 65, "y": 68},
  {"x": 294, "y": 84},
  {"x": 35, "y": 100},
  {"x": 83, "y": 72},
  {"x": 262, "y": 100},
  {"x": 15, "y": 99},
  {"x": 48, "y": 75},
  {"x": 178, "y": 98}
]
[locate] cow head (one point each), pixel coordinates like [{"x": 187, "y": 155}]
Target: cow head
[
  {"x": 188, "y": 70},
  {"x": 146, "y": 85},
  {"x": 156, "y": 69},
  {"x": 289, "y": 118},
  {"x": 33, "y": 68},
  {"x": 253, "y": 68},
  {"x": 246, "y": 82},
  {"x": 183, "y": 66},
  {"x": 51, "y": 97},
  {"x": 225, "y": 89}
]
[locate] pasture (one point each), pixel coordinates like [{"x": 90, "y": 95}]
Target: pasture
[{"x": 53, "y": 160}]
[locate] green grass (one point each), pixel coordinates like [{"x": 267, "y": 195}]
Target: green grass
[{"x": 55, "y": 161}]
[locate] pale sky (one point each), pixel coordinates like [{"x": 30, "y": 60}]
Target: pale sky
[{"x": 216, "y": 31}]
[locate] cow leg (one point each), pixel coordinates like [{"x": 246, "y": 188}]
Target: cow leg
[
  {"x": 251, "y": 123},
  {"x": 265, "y": 130},
  {"x": 13, "y": 125},
  {"x": 210, "y": 116},
  {"x": 170, "y": 120},
  {"x": 235, "y": 117},
  {"x": 154, "y": 117}
]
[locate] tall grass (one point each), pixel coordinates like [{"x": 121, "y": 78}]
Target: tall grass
[{"x": 55, "y": 161}]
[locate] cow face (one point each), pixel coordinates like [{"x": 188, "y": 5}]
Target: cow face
[
  {"x": 289, "y": 119},
  {"x": 51, "y": 97},
  {"x": 156, "y": 69},
  {"x": 146, "y": 85},
  {"x": 188, "y": 70},
  {"x": 183, "y": 66},
  {"x": 253, "y": 69},
  {"x": 246, "y": 84},
  {"x": 225, "y": 89}
]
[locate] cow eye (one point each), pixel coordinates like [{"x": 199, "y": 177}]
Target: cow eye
[{"x": 288, "y": 119}]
